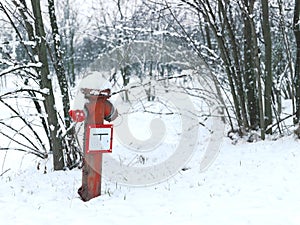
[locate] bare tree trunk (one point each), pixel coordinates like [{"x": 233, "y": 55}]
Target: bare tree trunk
[
  {"x": 34, "y": 51},
  {"x": 256, "y": 61},
  {"x": 71, "y": 59},
  {"x": 209, "y": 15},
  {"x": 58, "y": 64},
  {"x": 297, "y": 64},
  {"x": 249, "y": 73},
  {"x": 289, "y": 89},
  {"x": 268, "y": 63},
  {"x": 46, "y": 84},
  {"x": 125, "y": 73},
  {"x": 71, "y": 156},
  {"x": 236, "y": 66}
]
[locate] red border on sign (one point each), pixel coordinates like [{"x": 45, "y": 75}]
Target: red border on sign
[{"x": 87, "y": 147}]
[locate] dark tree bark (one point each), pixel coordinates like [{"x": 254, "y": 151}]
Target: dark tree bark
[
  {"x": 249, "y": 73},
  {"x": 209, "y": 15},
  {"x": 71, "y": 150},
  {"x": 46, "y": 84},
  {"x": 297, "y": 63},
  {"x": 58, "y": 64},
  {"x": 31, "y": 36},
  {"x": 235, "y": 64},
  {"x": 268, "y": 63},
  {"x": 253, "y": 66}
]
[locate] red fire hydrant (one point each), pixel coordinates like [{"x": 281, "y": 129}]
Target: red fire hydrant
[{"x": 96, "y": 110}]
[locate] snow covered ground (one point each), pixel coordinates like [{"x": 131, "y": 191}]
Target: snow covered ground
[{"x": 248, "y": 183}]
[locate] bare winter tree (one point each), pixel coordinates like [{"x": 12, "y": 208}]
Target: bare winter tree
[
  {"x": 250, "y": 53},
  {"x": 296, "y": 25},
  {"x": 46, "y": 83},
  {"x": 33, "y": 69},
  {"x": 58, "y": 63},
  {"x": 247, "y": 57},
  {"x": 26, "y": 137},
  {"x": 266, "y": 30}
]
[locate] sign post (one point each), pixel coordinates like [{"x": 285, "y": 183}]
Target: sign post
[{"x": 97, "y": 138}]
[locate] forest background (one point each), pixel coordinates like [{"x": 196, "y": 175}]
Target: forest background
[{"x": 252, "y": 50}]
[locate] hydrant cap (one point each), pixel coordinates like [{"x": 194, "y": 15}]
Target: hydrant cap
[{"x": 95, "y": 80}]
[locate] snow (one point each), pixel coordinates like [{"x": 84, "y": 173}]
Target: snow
[
  {"x": 248, "y": 183},
  {"x": 245, "y": 183}
]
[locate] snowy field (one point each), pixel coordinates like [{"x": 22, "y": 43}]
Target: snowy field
[
  {"x": 248, "y": 183},
  {"x": 240, "y": 183}
]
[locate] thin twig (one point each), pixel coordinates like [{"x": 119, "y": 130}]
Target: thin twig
[{"x": 4, "y": 172}]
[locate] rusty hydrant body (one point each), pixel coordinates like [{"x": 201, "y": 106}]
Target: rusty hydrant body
[{"x": 96, "y": 110}]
